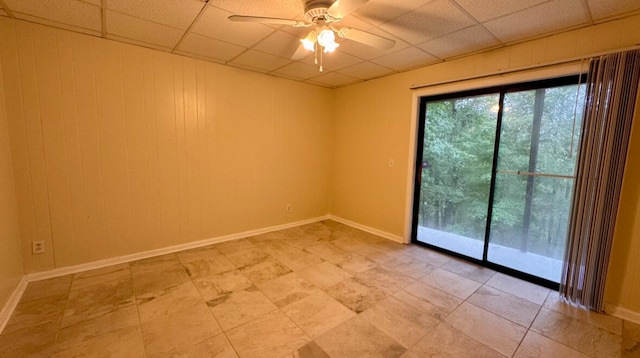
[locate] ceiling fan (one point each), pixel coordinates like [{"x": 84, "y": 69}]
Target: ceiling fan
[{"x": 321, "y": 15}]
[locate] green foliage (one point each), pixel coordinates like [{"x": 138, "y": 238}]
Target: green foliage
[{"x": 458, "y": 149}]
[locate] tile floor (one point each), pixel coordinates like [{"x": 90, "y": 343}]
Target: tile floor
[{"x": 319, "y": 290}]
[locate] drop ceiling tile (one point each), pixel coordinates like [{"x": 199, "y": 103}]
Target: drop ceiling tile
[
  {"x": 174, "y": 13},
  {"x": 142, "y": 30},
  {"x": 139, "y": 43},
  {"x": 601, "y": 9},
  {"x": 279, "y": 43},
  {"x": 259, "y": 61},
  {"x": 381, "y": 11},
  {"x": 481, "y": 12},
  {"x": 69, "y": 12},
  {"x": 333, "y": 79},
  {"x": 464, "y": 41},
  {"x": 214, "y": 23},
  {"x": 206, "y": 47},
  {"x": 407, "y": 58},
  {"x": 287, "y": 9},
  {"x": 298, "y": 70},
  {"x": 59, "y": 25},
  {"x": 538, "y": 20},
  {"x": 366, "y": 52},
  {"x": 333, "y": 61},
  {"x": 433, "y": 20},
  {"x": 366, "y": 70}
]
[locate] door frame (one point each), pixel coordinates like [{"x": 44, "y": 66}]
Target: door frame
[{"x": 420, "y": 103}]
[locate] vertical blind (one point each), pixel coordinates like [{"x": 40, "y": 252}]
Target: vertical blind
[{"x": 612, "y": 89}]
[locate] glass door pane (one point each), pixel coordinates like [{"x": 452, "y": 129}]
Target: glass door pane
[
  {"x": 455, "y": 175},
  {"x": 534, "y": 180}
]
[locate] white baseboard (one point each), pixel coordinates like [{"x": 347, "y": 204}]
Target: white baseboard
[
  {"x": 162, "y": 251},
  {"x": 12, "y": 303},
  {"x": 368, "y": 229},
  {"x": 623, "y": 313}
]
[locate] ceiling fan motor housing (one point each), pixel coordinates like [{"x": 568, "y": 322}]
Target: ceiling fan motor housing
[{"x": 316, "y": 9}]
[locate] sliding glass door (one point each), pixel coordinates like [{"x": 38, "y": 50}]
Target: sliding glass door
[
  {"x": 495, "y": 174},
  {"x": 456, "y": 165}
]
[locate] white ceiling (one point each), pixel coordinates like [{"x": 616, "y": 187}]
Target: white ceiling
[{"x": 425, "y": 31}]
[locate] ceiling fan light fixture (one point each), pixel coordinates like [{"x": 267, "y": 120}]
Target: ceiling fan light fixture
[
  {"x": 309, "y": 42},
  {"x": 327, "y": 39}
]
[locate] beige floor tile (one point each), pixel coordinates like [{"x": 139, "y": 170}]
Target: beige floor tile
[
  {"x": 231, "y": 246},
  {"x": 358, "y": 338},
  {"x": 223, "y": 283},
  {"x": 214, "y": 347},
  {"x": 33, "y": 341},
  {"x": 159, "y": 276},
  {"x": 292, "y": 257},
  {"x": 380, "y": 254},
  {"x": 287, "y": 289},
  {"x": 57, "y": 286},
  {"x": 240, "y": 307},
  {"x": 123, "y": 342},
  {"x": 579, "y": 335},
  {"x": 245, "y": 257},
  {"x": 631, "y": 330},
  {"x": 354, "y": 263},
  {"x": 97, "y": 300},
  {"x": 535, "y": 346},
  {"x": 443, "y": 301},
  {"x": 317, "y": 313},
  {"x": 469, "y": 270},
  {"x": 520, "y": 288},
  {"x": 387, "y": 280},
  {"x": 445, "y": 342},
  {"x": 409, "y": 266},
  {"x": 356, "y": 295},
  {"x": 608, "y": 322},
  {"x": 36, "y": 312},
  {"x": 402, "y": 322},
  {"x": 206, "y": 267},
  {"x": 452, "y": 283},
  {"x": 101, "y": 275},
  {"x": 515, "y": 309},
  {"x": 429, "y": 256},
  {"x": 264, "y": 270},
  {"x": 270, "y": 335},
  {"x": 487, "y": 328},
  {"x": 199, "y": 253},
  {"x": 158, "y": 304},
  {"x": 178, "y": 329},
  {"x": 99, "y": 331},
  {"x": 326, "y": 250},
  {"x": 309, "y": 350},
  {"x": 324, "y": 275},
  {"x": 154, "y": 263}
]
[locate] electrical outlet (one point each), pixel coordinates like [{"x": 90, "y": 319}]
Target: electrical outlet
[
  {"x": 37, "y": 247},
  {"x": 289, "y": 208}
]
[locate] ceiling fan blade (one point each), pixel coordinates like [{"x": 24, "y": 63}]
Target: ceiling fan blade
[
  {"x": 366, "y": 38},
  {"x": 342, "y": 8},
  {"x": 300, "y": 53},
  {"x": 268, "y": 20}
]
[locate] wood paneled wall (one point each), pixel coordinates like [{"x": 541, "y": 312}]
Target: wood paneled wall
[{"x": 120, "y": 149}]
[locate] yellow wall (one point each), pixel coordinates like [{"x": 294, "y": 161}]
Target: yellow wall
[
  {"x": 11, "y": 270},
  {"x": 623, "y": 284},
  {"x": 373, "y": 124},
  {"x": 121, "y": 149}
]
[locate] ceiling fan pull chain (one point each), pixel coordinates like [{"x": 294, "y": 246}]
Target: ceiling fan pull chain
[{"x": 321, "y": 57}]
